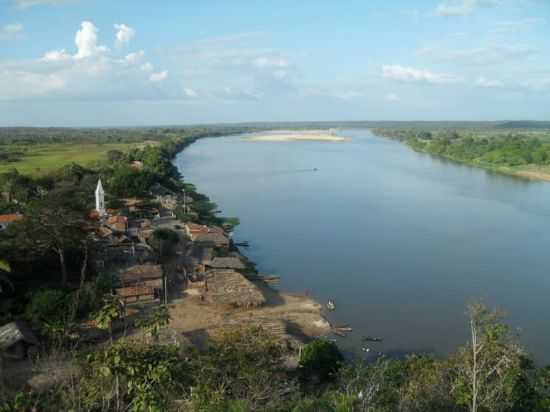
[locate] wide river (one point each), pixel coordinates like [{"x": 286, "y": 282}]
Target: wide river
[{"x": 400, "y": 241}]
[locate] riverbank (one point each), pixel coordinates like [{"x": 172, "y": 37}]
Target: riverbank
[
  {"x": 521, "y": 154},
  {"x": 196, "y": 313},
  {"x": 528, "y": 172}
]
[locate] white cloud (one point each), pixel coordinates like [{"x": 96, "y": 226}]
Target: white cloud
[
  {"x": 135, "y": 57},
  {"x": 249, "y": 70},
  {"x": 90, "y": 72},
  {"x": 270, "y": 61},
  {"x": 56, "y": 55},
  {"x": 348, "y": 94},
  {"x": 147, "y": 67},
  {"x": 86, "y": 44},
  {"x": 280, "y": 74},
  {"x": 392, "y": 97},
  {"x": 518, "y": 26},
  {"x": 159, "y": 76},
  {"x": 25, "y": 4},
  {"x": 409, "y": 74},
  {"x": 17, "y": 83},
  {"x": 190, "y": 92},
  {"x": 538, "y": 84},
  {"x": 463, "y": 7},
  {"x": 124, "y": 34},
  {"x": 11, "y": 31},
  {"x": 488, "y": 83},
  {"x": 86, "y": 41},
  {"x": 481, "y": 55},
  {"x": 234, "y": 94}
]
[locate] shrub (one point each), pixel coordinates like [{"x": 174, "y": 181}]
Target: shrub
[
  {"x": 321, "y": 358},
  {"x": 48, "y": 307},
  {"x": 164, "y": 241}
]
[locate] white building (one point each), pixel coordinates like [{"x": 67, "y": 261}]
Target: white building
[{"x": 100, "y": 199}]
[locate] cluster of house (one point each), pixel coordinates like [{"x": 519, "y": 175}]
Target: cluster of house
[
  {"x": 213, "y": 264},
  {"x": 124, "y": 241},
  {"x": 123, "y": 235}
]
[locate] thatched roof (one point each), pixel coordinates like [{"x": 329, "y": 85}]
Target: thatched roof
[
  {"x": 14, "y": 332},
  {"x": 227, "y": 287},
  {"x": 215, "y": 239},
  {"x": 141, "y": 273},
  {"x": 226, "y": 263}
]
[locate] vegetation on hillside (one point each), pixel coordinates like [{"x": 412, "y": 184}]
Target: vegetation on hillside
[
  {"x": 39, "y": 151},
  {"x": 243, "y": 370},
  {"x": 240, "y": 369}
]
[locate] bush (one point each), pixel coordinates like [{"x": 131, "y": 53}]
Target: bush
[
  {"x": 48, "y": 307},
  {"x": 321, "y": 358},
  {"x": 164, "y": 241}
]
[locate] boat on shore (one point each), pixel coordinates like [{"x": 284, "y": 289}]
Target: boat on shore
[{"x": 371, "y": 339}]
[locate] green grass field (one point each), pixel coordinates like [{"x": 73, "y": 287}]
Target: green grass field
[{"x": 40, "y": 159}]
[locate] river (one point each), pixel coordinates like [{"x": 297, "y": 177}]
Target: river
[{"x": 401, "y": 241}]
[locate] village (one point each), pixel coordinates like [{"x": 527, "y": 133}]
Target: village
[{"x": 198, "y": 273}]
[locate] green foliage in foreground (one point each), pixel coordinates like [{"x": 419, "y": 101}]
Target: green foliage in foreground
[
  {"x": 242, "y": 370},
  {"x": 322, "y": 359}
]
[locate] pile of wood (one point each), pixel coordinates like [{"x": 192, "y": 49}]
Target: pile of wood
[{"x": 228, "y": 287}]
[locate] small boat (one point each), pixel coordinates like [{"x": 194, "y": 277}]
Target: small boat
[
  {"x": 338, "y": 333},
  {"x": 242, "y": 244},
  {"x": 371, "y": 339},
  {"x": 344, "y": 328},
  {"x": 330, "y": 305},
  {"x": 315, "y": 169}
]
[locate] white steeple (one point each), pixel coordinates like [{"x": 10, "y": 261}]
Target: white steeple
[{"x": 100, "y": 198}]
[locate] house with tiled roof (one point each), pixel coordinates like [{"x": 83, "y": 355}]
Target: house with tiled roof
[
  {"x": 117, "y": 223},
  {"x": 6, "y": 220},
  {"x": 208, "y": 235}
]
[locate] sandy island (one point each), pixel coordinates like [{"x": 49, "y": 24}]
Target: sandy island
[{"x": 297, "y": 135}]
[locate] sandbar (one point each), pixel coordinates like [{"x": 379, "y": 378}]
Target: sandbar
[{"x": 296, "y": 135}]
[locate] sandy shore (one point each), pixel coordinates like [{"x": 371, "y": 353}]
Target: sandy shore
[
  {"x": 296, "y": 135},
  {"x": 531, "y": 174},
  {"x": 301, "y": 315}
]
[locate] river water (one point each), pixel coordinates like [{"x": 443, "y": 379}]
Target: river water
[{"x": 400, "y": 241}]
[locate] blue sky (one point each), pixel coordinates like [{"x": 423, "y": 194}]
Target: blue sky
[{"x": 105, "y": 62}]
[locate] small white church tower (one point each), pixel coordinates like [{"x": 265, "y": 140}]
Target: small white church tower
[{"x": 100, "y": 198}]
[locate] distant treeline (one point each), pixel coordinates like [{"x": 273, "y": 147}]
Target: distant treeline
[
  {"x": 9, "y": 135},
  {"x": 483, "y": 147},
  {"x": 31, "y": 135}
]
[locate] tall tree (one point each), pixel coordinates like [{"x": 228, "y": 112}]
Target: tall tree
[
  {"x": 489, "y": 368},
  {"x": 47, "y": 227}
]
